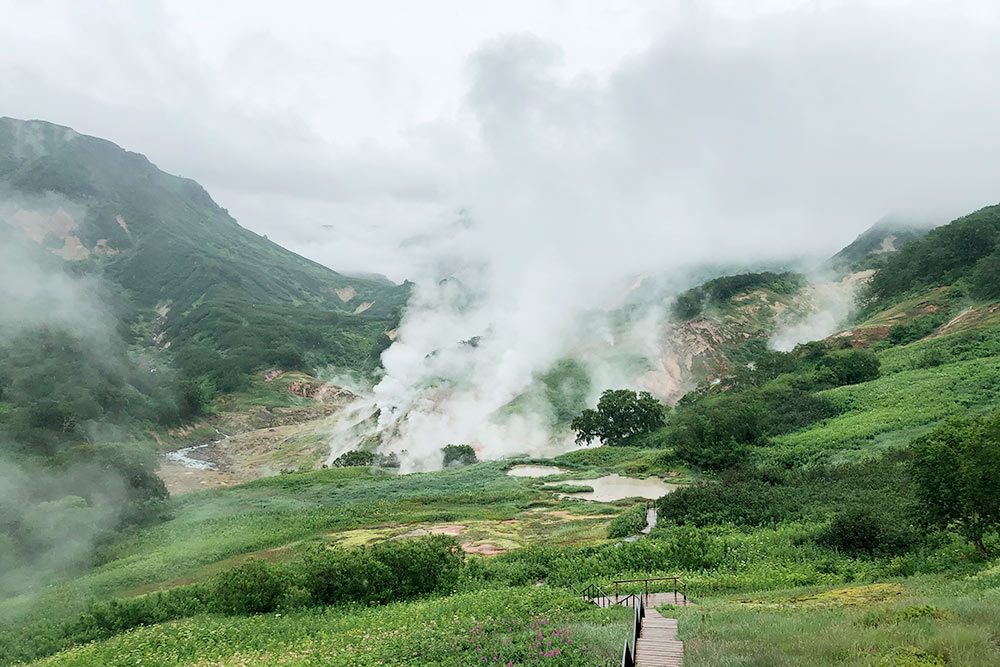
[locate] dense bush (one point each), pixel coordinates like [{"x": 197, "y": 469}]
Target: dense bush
[
  {"x": 768, "y": 496},
  {"x": 255, "y": 587},
  {"x": 689, "y": 547},
  {"x": 842, "y": 367},
  {"x": 718, "y": 431},
  {"x": 867, "y": 531},
  {"x": 359, "y": 457},
  {"x": 628, "y": 523},
  {"x": 788, "y": 408},
  {"x": 337, "y": 576},
  {"x": 459, "y": 455},
  {"x": 915, "y": 329},
  {"x": 957, "y": 468},
  {"x": 390, "y": 571}
]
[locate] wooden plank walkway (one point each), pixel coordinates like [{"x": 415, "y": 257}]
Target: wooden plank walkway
[
  {"x": 657, "y": 645},
  {"x": 652, "y": 600}
]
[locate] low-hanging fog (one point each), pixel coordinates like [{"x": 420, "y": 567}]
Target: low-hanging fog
[{"x": 52, "y": 515}]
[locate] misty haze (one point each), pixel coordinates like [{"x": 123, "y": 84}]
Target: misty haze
[{"x": 612, "y": 333}]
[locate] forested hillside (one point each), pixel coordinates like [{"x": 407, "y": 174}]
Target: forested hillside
[{"x": 131, "y": 302}]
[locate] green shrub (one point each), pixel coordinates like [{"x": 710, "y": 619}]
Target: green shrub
[
  {"x": 421, "y": 566},
  {"x": 354, "y": 458},
  {"x": 908, "y": 332},
  {"x": 628, "y": 523},
  {"x": 361, "y": 458},
  {"x": 338, "y": 576},
  {"x": 690, "y": 548},
  {"x": 867, "y": 531},
  {"x": 394, "y": 570},
  {"x": 456, "y": 456},
  {"x": 843, "y": 367},
  {"x": 255, "y": 587},
  {"x": 115, "y": 616}
]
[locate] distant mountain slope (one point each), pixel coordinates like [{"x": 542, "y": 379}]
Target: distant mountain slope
[
  {"x": 944, "y": 282},
  {"x": 966, "y": 250},
  {"x": 873, "y": 246},
  {"x": 224, "y": 299}
]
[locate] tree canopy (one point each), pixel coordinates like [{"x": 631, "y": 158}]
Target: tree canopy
[
  {"x": 957, "y": 469},
  {"x": 621, "y": 418}
]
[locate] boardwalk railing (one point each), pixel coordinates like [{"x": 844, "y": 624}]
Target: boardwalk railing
[
  {"x": 593, "y": 593},
  {"x": 628, "y": 652},
  {"x": 679, "y": 586}
]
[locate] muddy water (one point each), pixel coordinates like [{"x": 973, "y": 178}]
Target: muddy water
[
  {"x": 616, "y": 487},
  {"x": 535, "y": 471}
]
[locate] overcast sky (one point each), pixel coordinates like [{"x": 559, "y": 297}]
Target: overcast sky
[{"x": 701, "y": 128}]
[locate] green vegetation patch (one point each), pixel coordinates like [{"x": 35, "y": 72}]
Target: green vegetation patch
[
  {"x": 924, "y": 621},
  {"x": 889, "y": 411},
  {"x": 520, "y": 624}
]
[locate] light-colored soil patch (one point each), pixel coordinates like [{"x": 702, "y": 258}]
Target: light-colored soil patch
[
  {"x": 38, "y": 225},
  {"x": 102, "y": 248},
  {"x": 954, "y": 322},
  {"x": 451, "y": 529},
  {"x": 262, "y": 444},
  {"x": 179, "y": 479},
  {"x": 363, "y": 307},
  {"x": 345, "y": 294},
  {"x": 73, "y": 250},
  {"x": 483, "y": 549}
]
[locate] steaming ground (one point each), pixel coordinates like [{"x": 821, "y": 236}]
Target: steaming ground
[{"x": 460, "y": 362}]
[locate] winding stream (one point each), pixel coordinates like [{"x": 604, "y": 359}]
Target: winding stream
[{"x": 182, "y": 456}]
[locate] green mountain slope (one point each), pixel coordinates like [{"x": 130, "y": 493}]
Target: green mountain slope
[
  {"x": 873, "y": 246},
  {"x": 967, "y": 250},
  {"x": 223, "y": 299}
]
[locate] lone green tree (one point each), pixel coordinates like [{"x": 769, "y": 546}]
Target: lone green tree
[
  {"x": 622, "y": 417},
  {"x": 957, "y": 470}
]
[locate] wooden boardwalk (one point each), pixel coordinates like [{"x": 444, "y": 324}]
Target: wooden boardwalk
[
  {"x": 657, "y": 645},
  {"x": 652, "y": 600}
]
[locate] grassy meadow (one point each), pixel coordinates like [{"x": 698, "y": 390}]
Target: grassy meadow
[{"x": 765, "y": 554}]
